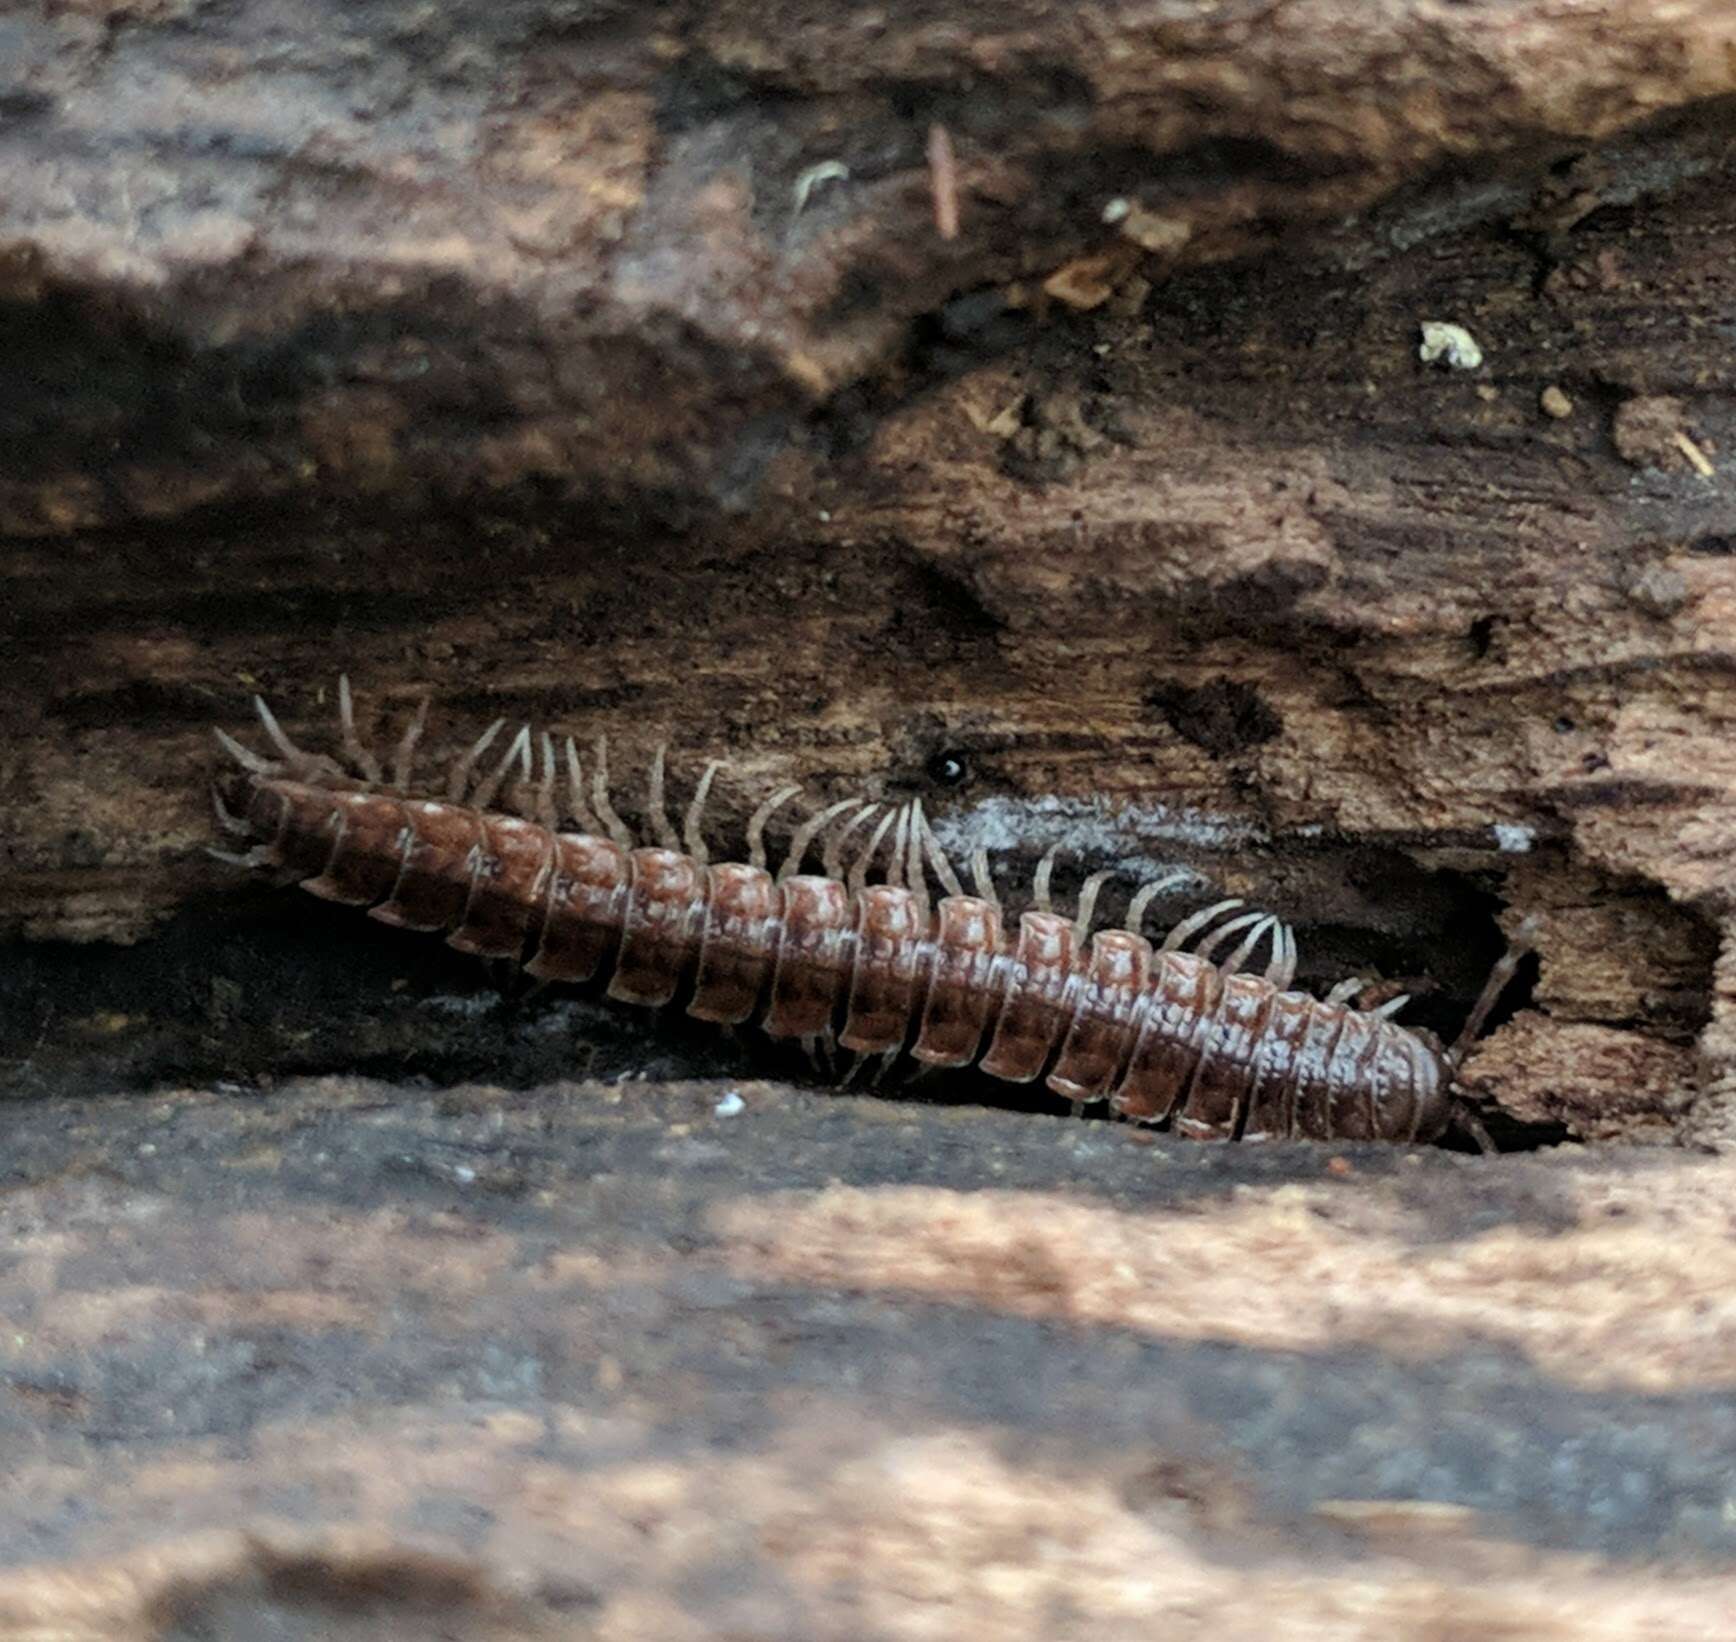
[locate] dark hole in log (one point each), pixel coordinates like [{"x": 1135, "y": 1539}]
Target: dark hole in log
[{"x": 1223, "y": 716}]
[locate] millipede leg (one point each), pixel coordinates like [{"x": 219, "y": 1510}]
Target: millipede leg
[
  {"x": 245, "y": 756},
  {"x": 1281, "y": 971},
  {"x": 544, "y": 808},
  {"x": 900, "y": 836},
  {"x": 617, "y": 828},
  {"x": 293, "y": 755},
  {"x": 300, "y": 766},
  {"x": 982, "y": 878},
  {"x": 403, "y": 761},
  {"x": 1210, "y": 945},
  {"x": 807, "y": 832},
  {"x": 1474, "y": 1127},
  {"x": 356, "y": 750},
  {"x": 1088, "y": 893},
  {"x": 821, "y": 1048},
  {"x": 577, "y": 809},
  {"x": 857, "y": 880},
  {"x": 1249, "y": 942},
  {"x": 1191, "y": 926},
  {"x": 756, "y": 824},
  {"x": 1040, "y": 897},
  {"x": 517, "y": 751},
  {"x": 1499, "y": 979},
  {"x": 937, "y": 861},
  {"x": 1345, "y": 990},
  {"x": 915, "y": 878},
  {"x": 303, "y": 766},
  {"x": 661, "y": 827},
  {"x": 227, "y": 820},
  {"x": 692, "y": 829},
  {"x": 523, "y": 792},
  {"x": 1145, "y": 895},
  {"x": 248, "y": 858},
  {"x": 883, "y": 1063},
  {"x": 832, "y": 862},
  {"x": 459, "y": 778}
]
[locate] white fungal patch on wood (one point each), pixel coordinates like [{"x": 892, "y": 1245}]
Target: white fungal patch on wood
[{"x": 1093, "y": 829}]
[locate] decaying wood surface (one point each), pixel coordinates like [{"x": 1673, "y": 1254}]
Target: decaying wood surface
[
  {"x": 611, "y": 369},
  {"x": 641, "y": 1361},
  {"x": 870, "y": 395}
]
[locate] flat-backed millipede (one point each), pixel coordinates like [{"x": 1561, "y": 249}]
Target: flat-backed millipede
[{"x": 1165, "y": 1035}]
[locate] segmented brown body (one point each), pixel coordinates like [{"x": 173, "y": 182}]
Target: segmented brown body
[{"x": 1163, "y": 1035}]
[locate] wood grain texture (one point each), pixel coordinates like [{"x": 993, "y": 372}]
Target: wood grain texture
[
  {"x": 357, "y": 1362},
  {"x": 489, "y": 355},
  {"x": 254, "y": 254},
  {"x": 605, "y": 366}
]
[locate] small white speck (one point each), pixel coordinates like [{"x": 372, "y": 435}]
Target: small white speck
[
  {"x": 464, "y": 1174},
  {"x": 730, "y": 1105},
  {"x": 1513, "y": 838},
  {"x": 1448, "y": 344},
  {"x": 826, "y": 171},
  {"x": 825, "y": 516},
  {"x": 1117, "y": 210},
  {"x": 147, "y": 1150}
]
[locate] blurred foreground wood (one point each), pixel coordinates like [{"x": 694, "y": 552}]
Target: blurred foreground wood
[{"x": 697, "y": 1360}]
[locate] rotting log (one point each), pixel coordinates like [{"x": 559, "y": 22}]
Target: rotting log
[
  {"x": 621, "y": 1361},
  {"x": 608, "y": 366},
  {"x": 426, "y": 253},
  {"x": 610, "y": 370}
]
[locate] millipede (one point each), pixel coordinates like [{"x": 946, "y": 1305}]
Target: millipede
[{"x": 527, "y": 859}]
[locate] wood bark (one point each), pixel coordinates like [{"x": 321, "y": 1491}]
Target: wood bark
[
  {"x": 607, "y": 367},
  {"x": 624, "y": 1362},
  {"x": 1305, "y": 466}
]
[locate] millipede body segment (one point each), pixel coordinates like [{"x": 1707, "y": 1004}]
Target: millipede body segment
[{"x": 1165, "y": 1034}]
